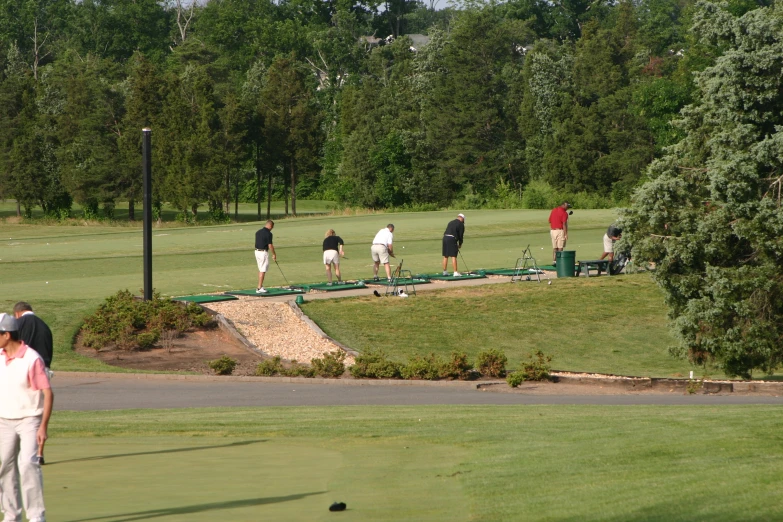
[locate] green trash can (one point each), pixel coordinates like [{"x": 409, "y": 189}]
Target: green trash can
[
  {"x": 566, "y": 263},
  {"x": 300, "y": 299}
]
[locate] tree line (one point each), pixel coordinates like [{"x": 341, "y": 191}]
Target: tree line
[{"x": 250, "y": 100}]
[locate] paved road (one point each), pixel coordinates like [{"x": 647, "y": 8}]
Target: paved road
[{"x": 108, "y": 392}]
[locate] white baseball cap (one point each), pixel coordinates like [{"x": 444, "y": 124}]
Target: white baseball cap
[{"x": 461, "y": 215}]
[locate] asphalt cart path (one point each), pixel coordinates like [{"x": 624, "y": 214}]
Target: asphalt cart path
[{"x": 124, "y": 391}]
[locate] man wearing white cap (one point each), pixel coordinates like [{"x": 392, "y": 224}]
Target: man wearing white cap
[
  {"x": 452, "y": 242},
  {"x": 24, "y": 420}
]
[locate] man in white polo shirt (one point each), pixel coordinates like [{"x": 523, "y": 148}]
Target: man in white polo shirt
[
  {"x": 25, "y": 409},
  {"x": 381, "y": 249}
]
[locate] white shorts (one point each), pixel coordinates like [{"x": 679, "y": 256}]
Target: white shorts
[
  {"x": 380, "y": 253},
  {"x": 331, "y": 257},
  {"x": 262, "y": 258},
  {"x": 558, "y": 238},
  {"x": 608, "y": 245}
]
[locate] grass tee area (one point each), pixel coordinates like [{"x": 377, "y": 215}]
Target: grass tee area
[{"x": 487, "y": 463}]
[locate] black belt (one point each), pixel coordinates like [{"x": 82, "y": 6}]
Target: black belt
[
  {"x": 262, "y": 250},
  {"x": 379, "y": 244}
]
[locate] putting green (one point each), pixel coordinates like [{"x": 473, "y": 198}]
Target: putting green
[
  {"x": 326, "y": 287},
  {"x": 269, "y": 292},
  {"x": 194, "y": 479},
  {"x": 205, "y": 298}
]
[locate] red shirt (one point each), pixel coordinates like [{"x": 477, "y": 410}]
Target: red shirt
[{"x": 558, "y": 218}]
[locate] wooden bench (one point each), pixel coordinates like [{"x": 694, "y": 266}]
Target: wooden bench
[{"x": 600, "y": 265}]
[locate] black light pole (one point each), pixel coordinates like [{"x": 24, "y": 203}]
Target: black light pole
[{"x": 146, "y": 155}]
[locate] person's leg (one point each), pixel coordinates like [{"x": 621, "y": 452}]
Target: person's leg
[
  {"x": 445, "y": 264},
  {"x": 388, "y": 270},
  {"x": 329, "y": 273},
  {"x": 375, "y": 267},
  {"x": 9, "y": 473},
  {"x": 337, "y": 272},
  {"x": 261, "y": 276},
  {"x": 32, "y": 478},
  {"x": 611, "y": 256},
  {"x": 454, "y": 264},
  {"x": 604, "y": 255}
]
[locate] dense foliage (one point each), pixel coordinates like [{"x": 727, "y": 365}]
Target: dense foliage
[
  {"x": 253, "y": 99},
  {"x": 710, "y": 216}
]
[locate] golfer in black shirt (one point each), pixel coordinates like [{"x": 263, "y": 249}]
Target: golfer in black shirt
[
  {"x": 452, "y": 242},
  {"x": 263, "y": 247},
  {"x": 333, "y": 250},
  {"x": 34, "y": 332}
]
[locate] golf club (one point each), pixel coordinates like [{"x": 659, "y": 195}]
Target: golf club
[
  {"x": 289, "y": 287},
  {"x": 467, "y": 270}
]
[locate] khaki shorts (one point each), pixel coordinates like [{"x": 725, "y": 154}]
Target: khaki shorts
[
  {"x": 331, "y": 257},
  {"x": 380, "y": 253},
  {"x": 558, "y": 238},
  {"x": 608, "y": 245},
  {"x": 262, "y": 258}
]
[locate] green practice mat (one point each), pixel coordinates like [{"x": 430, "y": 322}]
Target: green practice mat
[
  {"x": 441, "y": 277},
  {"x": 269, "y": 292},
  {"x": 400, "y": 282},
  {"x": 325, "y": 287},
  {"x": 205, "y": 298},
  {"x": 506, "y": 271},
  {"x": 547, "y": 267}
]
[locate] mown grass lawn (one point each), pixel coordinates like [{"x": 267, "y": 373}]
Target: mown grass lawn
[{"x": 433, "y": 463}]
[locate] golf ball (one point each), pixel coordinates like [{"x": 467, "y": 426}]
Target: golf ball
[
  {"x": 47, "y": 282},
  {"x": 549, "y": 283}
]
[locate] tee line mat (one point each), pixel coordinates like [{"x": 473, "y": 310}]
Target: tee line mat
[
  {"x": 441, "y": 277},
  {"x": 399, "y": 282},
  {"x": 508, "y": 271},
  {"x": 334, "y": 287},
  {"x": 205, "y": 298},
  {"x": 269, "y": 292}
]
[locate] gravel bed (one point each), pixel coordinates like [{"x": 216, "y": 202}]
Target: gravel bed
[{"x": 275, "y": 329}]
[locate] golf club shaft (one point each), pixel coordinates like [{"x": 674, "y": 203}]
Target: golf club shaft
[
  {"x": 281, "y": 272},
  {"x": 467, "y": 270}
]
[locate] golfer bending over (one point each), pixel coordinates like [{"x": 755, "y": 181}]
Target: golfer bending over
[
  {"x": 24, "y": 420},
  {"x": 333, "y": 244},
  {"x": 452, "y": 242},
  {"x": 263, "y": 247},
  {"x": 612, "y": 234},
  {"x": 381, "y": 250},
  {"x": 558, "y": 222}
]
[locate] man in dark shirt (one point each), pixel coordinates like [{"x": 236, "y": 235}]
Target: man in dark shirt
[
  {"x": 263, "y": 247},
  {"x": 452, "y": 242},
  {"x": 612, "y": 234},
  {"x": 34, "y": 332}
]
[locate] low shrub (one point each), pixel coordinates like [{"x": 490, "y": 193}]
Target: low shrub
[
  {"x": 298, "y": 369},
  {"x": 375, "y": 365},
  {"x": 537, "y": 368},
  {"x": 457, "y": 367},
  {"x": 223, "y": 366},
  {"x": 330, "y": 365},
  {"x": 270, "y": 367},
  {"x": 492, "y": 363},
  {"x": 515, "y": 379},
  {"x": 422, "y": 367},
  {"x": 130, "y": 323}
]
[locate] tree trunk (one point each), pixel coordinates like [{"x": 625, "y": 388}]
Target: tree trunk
[
  {"x": 269, "y": 196},
  {"x": 293, "y": 188},
  {"x": 258, "y": 179},
  {"x": 228, "y": 190},
  {"x": 236, "y": 199},
  {"x": 131, "y": 210},
  {"x": 18, "y": 209},
  {"x": 194, "y": 209}
]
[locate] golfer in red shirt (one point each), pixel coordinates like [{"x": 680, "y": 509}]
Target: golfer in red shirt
[{"x": 558, "y": 223}]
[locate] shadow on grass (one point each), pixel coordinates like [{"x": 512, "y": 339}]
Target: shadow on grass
[
  {"x": 198, "y": 508},
  {"x": 159, "y": 452}
]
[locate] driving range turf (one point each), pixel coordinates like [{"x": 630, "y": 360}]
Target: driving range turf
[{"x": 434, "y": 463}]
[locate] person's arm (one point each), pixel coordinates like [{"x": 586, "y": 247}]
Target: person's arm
[
  {"x": 342, "y": 252},
  {"x": 42, "y": 435},
  {"x": 272, "y": 250},
  {"x": 565, "y": 228}
]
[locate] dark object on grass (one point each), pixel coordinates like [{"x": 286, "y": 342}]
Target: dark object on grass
[
  {"x": 376, "y": 293},
  {"x": 337, "y": 506}
]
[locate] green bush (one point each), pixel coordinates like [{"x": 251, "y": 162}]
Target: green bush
[
  {"x": 270, "y": 367},
  {"x": 330, "y": 365},
  {"x": 537, "y": 368},
  {"x": 515, "y": 379},
  {"x": 457, "y": 367},
  {"x": 223, "y": 366},
  {"x": 492, "y": 363},
  {"x": 375, "y": 365},
  {"x": 128, "y": 323},
  {"x": 419, "y": 367},
  {"x": 298, "y": 369}
]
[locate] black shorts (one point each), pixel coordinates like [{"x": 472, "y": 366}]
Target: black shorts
[{"x": 450, "y": 246}]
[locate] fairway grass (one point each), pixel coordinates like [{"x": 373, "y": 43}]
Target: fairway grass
[{"x": 433, "y": 463}]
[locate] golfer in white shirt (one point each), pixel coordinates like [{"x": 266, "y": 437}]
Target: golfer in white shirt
[{"x": 382, "y": 249}]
